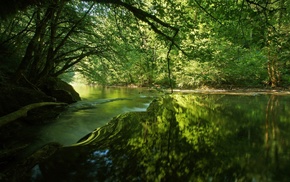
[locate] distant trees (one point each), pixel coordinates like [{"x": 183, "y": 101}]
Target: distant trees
[{"x": 241, "y": 43}]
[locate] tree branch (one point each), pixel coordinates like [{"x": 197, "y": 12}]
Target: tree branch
[
  {"x": 21, "y": 32},
  {"x": 201, "y": 7},
  {"x": 143, "y": 16}
]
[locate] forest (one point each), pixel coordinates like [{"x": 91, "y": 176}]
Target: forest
[
  {"x": 154, "y": 43},
  {"x": 239, "y": 47}
]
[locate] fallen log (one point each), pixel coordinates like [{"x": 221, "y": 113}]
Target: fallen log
[{"x": 22, "y": 112}]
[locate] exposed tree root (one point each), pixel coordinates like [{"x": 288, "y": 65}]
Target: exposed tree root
[{"x": 22, "y": 112}]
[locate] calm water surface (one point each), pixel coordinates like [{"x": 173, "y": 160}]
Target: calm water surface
[
  {"x": 98, "y": 106},
  {"x": 189, "y": 137}
]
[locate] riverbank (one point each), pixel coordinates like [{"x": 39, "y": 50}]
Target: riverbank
[
  {"x": 238, "y": 91},
  {"x": 22, "y": 107},
  {"x": 13, "y": 98},
  {"x": 97, "y": 107}
]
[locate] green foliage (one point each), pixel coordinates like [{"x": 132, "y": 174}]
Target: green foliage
[{"x": 238, "y": 43}]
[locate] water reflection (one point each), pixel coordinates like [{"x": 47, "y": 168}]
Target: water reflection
[
  {"x": 183, "y": 138},
  {"x": 98, "y": 106}
]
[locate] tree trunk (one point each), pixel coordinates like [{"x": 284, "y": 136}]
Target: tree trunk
[
  {"x": 33, "y": 53},
  {"x": 273, "y": 70}
]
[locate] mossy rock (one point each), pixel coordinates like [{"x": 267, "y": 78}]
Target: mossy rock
[
  {"x": 14, "y": 97},
  {"x": 62, "y": 91}
]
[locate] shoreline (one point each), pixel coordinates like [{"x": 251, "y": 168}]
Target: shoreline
[
  {"x": 235, "y": 92},
  {"x": 210, "y": 90}
]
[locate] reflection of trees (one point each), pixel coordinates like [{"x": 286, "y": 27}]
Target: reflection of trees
[
  {"x": 180, "y": 138},
  {"x": 273, "y": 141},
  {"x": 271, "y": 130}
]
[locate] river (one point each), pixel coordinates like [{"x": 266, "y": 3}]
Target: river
[
  {"x": 98, "y": 106},
  {"x": 209, "y": 136}
]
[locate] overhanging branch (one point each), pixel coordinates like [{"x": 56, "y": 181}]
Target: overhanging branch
[
  {"x": 209, "y": 14},
  {"x": 146, "y": 17},
  {"x": 142, "y": 15}
]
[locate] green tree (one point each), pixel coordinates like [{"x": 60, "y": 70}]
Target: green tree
[
  {"x": 58, "y": 42},
  {"x": 181, "y": 43}
]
